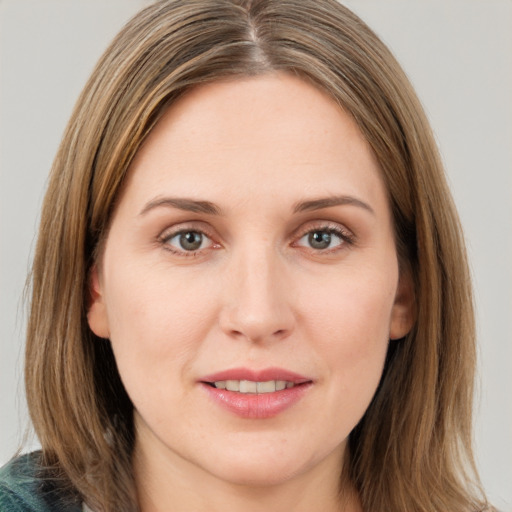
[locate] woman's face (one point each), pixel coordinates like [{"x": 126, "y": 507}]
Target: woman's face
[{"x": 252, "y": 248}]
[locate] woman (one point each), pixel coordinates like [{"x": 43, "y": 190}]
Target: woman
[{"x": 250, "y": 289}]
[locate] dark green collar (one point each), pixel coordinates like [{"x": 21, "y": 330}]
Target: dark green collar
[{"x": 25, "y": 488}]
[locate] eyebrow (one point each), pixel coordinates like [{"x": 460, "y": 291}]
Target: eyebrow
[
  {"x": 185, "y": 204},
  {"x": 209, "y": 208},
  {"x": 328, "y": 202}
]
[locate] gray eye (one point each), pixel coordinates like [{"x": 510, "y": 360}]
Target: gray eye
[
  {"x": 190, "y": 241},
  {"x": 319, "y": 239}
]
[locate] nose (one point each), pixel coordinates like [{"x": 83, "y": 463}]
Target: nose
[{"x": 257, "y": 300}]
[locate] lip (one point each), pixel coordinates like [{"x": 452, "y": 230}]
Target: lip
[
  {"x": 256, "y": 406},
  {"x": 257, "y": 375}
]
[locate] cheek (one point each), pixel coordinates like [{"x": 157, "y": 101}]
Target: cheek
[
  {"x": 355, "y": 310},
  {"x": 156, "y": 323},
  {"x": 349, "y": 322}
]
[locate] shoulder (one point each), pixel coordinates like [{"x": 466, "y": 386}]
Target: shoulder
[
  {"x": 23, "y": 488},
  {"x": 19, "y": 485}
]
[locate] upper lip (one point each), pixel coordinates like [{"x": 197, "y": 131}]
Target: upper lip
[{"x": 262, "y": 375}]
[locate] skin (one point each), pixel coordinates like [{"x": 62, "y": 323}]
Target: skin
[{"x": 255, "y": 294}]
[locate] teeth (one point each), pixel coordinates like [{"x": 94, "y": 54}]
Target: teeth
[
  {"x": 281, "y": 384},
  {"x": 232, "y": 385},
  {"x": 249, "y": 386},
  {"x": 266, "y": 387}
]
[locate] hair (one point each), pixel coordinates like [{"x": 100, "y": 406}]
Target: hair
[{"x": 412, "y": 449}]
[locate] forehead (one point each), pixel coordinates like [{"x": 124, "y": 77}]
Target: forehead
[{"x": 274, "y": 132}]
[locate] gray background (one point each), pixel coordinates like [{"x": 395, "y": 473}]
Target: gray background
[{"x": 458, "y": 54}]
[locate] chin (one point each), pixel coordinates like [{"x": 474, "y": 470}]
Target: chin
[
  {"x": 263, "y": 466},
  {"x": 251, "y": 474}
]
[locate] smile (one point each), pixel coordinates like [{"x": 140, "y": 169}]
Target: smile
[
  {"x": 253, "y": 387},
  {"x": 256, "y": 394}
]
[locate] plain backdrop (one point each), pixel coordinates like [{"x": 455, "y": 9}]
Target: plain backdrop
[{"x": 458, "y": 54}]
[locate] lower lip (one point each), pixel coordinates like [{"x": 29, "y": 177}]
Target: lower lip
[{"x": 257, "y": 406}]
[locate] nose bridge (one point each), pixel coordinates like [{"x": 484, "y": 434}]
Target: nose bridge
[{"x": 257, "y": 305}]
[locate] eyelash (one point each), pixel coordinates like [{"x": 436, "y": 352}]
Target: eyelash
[
  {"x": 345, "y": 236},
  {"x": 167, "y": 236}
]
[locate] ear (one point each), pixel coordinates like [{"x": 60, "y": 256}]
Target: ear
[
  {"x": 403, "y": 314},
  {"x": 97, "y": 311}
]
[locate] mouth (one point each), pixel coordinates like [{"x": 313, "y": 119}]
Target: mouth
[
  {"x": 253, "y": 387},
  {"x": 256, "y": 394}
]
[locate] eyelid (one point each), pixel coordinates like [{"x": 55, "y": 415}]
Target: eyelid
[
  {"x": 184, "y": 227},
  {"x": 347, "y": 236}
]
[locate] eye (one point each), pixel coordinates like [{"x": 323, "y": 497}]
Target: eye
[
  {"x": 324, "y": 239},
  {"x": 187, "y": 241}
]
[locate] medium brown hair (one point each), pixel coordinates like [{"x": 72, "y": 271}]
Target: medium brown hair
[{"x": 412, "y": 449}]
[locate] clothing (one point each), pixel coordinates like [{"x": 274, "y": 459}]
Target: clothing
[{"x": 23, "y": 489}]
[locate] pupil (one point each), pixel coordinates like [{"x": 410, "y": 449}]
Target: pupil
[
  {"x": 319, "y": 239},
  {"x": 191, "y": 241}
]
